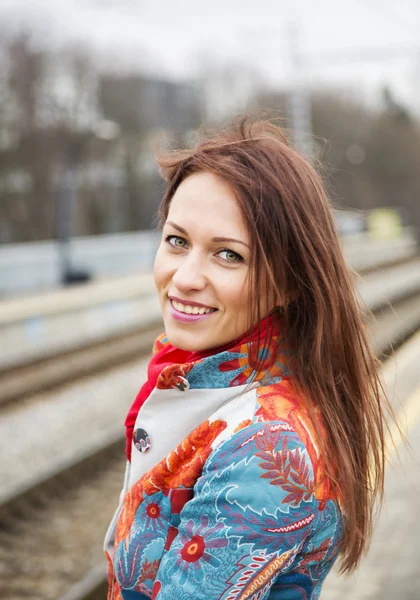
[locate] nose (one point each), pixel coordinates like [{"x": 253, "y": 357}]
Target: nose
[{"x": 190, "y": 275}]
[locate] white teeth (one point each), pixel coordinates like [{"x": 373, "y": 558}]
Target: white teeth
[{"x": 190, "y": 310}]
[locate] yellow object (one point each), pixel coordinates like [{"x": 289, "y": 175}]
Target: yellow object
[{"x": 384, "y": 223}]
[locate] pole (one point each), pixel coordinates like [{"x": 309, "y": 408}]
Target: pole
[
  {"x": 66, "y": 199},
  {"x": 299, "y": 100}
]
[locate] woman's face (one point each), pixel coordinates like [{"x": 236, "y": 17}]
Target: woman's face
[{"x": 202, "y": 265}]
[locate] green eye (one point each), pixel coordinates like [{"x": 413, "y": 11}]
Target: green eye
[
  {"x": 230, "y": 256},
  {"x": 175, "y": 241}
]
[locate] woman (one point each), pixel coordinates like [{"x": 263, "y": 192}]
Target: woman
[{"x": 256, "y": 447}]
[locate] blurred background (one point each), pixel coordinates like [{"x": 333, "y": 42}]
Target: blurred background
[{"x": 87, "y": 88}]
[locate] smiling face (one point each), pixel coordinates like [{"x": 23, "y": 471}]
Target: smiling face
[{"x": 202, "y": 265}]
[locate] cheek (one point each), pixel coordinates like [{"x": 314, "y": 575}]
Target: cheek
[
  {"x": 235, "y": 295},
  {"x": 160, "y": 269}
]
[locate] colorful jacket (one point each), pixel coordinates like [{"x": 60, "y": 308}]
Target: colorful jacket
[{"x": 226, "y": 495}]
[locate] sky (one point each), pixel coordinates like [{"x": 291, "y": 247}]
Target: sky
[{"x": 360, "y": 45}]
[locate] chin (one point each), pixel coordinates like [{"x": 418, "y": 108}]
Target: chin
[{"x": 185, "y": 341}]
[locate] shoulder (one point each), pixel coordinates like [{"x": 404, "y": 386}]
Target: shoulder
[
  {"x": 268, "y": 472},
  {"x": 273, "y": 461},
  {"x": 283, "y": 405},
  {"x": 280, "y": 427},
  {"x": 282, "y": 402},
  {"x": 279, "y": 400}
]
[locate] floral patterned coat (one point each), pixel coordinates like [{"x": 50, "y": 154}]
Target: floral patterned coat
[{"x": 226, "y": 495}]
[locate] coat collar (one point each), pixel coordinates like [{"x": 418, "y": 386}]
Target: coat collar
[{"x": 231, "y": 367}]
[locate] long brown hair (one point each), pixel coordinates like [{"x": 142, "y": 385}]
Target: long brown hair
[{"x": 296, "y": 255}]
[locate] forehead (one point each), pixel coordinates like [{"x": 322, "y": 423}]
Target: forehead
[{"x": 205, "y": 202}]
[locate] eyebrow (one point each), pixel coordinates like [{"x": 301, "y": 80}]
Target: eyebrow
[{"x": 215, "y": 239}]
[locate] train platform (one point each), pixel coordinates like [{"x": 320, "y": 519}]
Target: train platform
[
  {"x": 36, "y": 326},
  {"x": 391, "y": 568},
  {"x": 55, "y": 429}
]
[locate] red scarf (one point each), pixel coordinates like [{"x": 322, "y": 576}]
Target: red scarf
[{"x": 170, "y": 355}]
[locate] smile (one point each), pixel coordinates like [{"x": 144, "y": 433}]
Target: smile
[
  {"x": 185, "y": 313},
  {"x": 191, "y": 310}
]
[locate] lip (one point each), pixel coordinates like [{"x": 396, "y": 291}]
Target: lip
[
  {"x": 189, "y": 302},
  {"x": 188, "y": 318}
]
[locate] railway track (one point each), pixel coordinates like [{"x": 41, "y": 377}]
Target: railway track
[
  {"x": 48, "y": 373},
  {"x": 49, "y": 530}
]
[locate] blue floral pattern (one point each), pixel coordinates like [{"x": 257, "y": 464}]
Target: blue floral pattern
[
  {"x": 196, "y": 546},
  {"x": 254, "y": 518}
]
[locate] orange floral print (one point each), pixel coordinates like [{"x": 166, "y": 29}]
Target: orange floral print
[
  {"x": 181, "y": 468},
  {"x": 273, "y": 362},
  {"x": 281, "y": 402},
  {"x": 149, "y": 571},
  {"x": 114, "y": 592},
  {"x": 184, "y": 464},
  {"x": 242, "y": 425},
  {"x": 133, "y": 498},
  {"x": 160, "y": 343},
  {"x": 170, "y": 375}
]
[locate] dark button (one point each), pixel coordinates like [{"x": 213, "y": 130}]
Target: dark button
[{"x": 141, "y": 440}]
